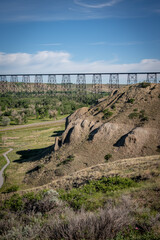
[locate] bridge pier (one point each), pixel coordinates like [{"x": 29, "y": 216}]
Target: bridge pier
[
  {"x": 97, "y": 84},
  {"x": 132, "y": 78},
  {"x": 152, "y": 77},
  {"x": 13, "y": 83},
  {"x": 81, "y": 86},
  {"x": 66, "y": 83},
  {"x": 114, "y": 80},
  {"x": 38, "y": 84},
  {"x": 52, "y": 84},
  {"x": 3, "y": 84}
]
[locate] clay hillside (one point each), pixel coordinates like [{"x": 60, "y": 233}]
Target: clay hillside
[{"x": 124, "y": 125}]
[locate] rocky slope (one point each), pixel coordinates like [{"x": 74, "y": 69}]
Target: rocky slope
[{"x": 124, "y": 125}]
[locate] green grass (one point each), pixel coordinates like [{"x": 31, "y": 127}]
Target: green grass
[{"x": 28, "y": 144}]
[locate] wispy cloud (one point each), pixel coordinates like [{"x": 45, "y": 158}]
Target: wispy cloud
[
  {"x": 109, "y": 3},
  {"x": 61, "y": 62},
  {"x": 98, "y": 43},
  {"x": 118, "y": 43}
]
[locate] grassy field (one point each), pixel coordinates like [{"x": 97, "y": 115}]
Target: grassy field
[{"x": 36, "y": 141}]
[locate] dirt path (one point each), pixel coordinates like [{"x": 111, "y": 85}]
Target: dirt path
[
  {"x": 33, "y": 125},
  {"x": 2, "y": 170}
]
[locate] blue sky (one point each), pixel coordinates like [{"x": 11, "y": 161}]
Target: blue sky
[{"x": 50, "y": 36}]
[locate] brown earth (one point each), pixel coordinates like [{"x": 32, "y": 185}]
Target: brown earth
[{"x": 126, "y": 125}]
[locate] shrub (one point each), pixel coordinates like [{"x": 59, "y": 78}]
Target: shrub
[
  {"x": 107, "y": 156},
  {"x": 142, "y": 116},
  {"x": 13, "y": 188},
  {"x": 144, "y": 84},
  {"x": 59, "y": 172},
  {"x": 158, "y": 148},
  {"x": 69, "y": 159},
  {"x": 131, "y": 100},
  {"x": 90, "y": 196},
  {"x": 133, "y": 115},
  {"x": 135, "y": 110},
  {"x": 113, "y": 106},
  {"x": 5, "y": 121},
  {"x": 107, "y": 114},
  {"x": 15, "y": 203},
  {"x": 102, "y": 225}
]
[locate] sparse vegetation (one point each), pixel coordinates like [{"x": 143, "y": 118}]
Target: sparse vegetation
[
  {"x": 107, "y": 156},
  {"x": 133, "y": 115},
  {"x": 113, "y": 106},
  {"x": 69, "y": 159},
  {"x": 59, "y": 172},
  {"x": 142, "y": 115},
  {"x": 144, "y": 84},
  {"x": 107, "y": 114},
  {"x": 131, "y": 100}
]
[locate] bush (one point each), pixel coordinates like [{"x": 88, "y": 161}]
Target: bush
[
  {"x": 107, "y": 156},
  {"x": 102, "y": 225},
  {"x": 13, "y": 188},
  {"x": 15, "y": 203},
  {"x": 59, "y": 172},
  {"x": 69, "y": 159},
  {"x": 142, "y": 116},
  {"x": 113, "y": 107},
  {"x": 5, "y": 121},
  {"x": 144, "y": 84},
  {"x": 90, "y": 196},
  {"x": 133, "y": 115},
  {"x": 131, "y": 100},
  {"x": 107, "y": 114}
]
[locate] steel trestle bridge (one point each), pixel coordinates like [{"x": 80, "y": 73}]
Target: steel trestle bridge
[{"x": 77, "y": 82}]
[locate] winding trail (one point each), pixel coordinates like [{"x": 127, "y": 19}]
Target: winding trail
[{"x": 2, "y": 170}]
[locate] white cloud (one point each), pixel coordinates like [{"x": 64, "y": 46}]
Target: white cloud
[
  {"x": 61, "y": 62},
  {"x": 109, "y": 3}
]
